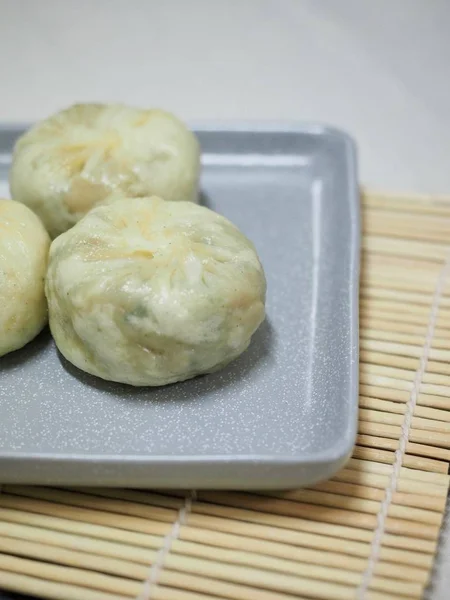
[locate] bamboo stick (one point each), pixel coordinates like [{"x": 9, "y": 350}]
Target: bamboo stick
[
  {"x": 424, "y": 412},
  {"x": 396, "y": 395},
  {"x": 394, "y": 270},
  {"x": 19, "y": 515},
  {"x": 393, "y": 306},
  {"x": 81, "y": 580},
  {"x": 132, "y": 496},
  {"x": 253, "y": 514},
  {"x": 411, "y": 219},
  {"x": 289, "y": 584},
  {"x": 398, "y": 317},
  {"x": 429, "y": 394},
  {"x": 341, "y": 574},
  {"x": 357, "y": 504},
  {"x": 384, "y": 393},
  {"x": 389, "y": 418},
  {"x": 421, "y": 204},
  {"x": 214, "y": 538},
  {"x": 389, "y": 360},
  {"x": 435, "y": 390},
  {"x": 392, "y": 336},
  {"x": 385, "y": 276},
  {"x": 438, "y": 367},
  {"x": 183, "y": 557},
  {"x": 282, "y": 521},
  {"x": 151, "y": 498},
  {"x": 307, "y": 555},
  {"x": 374, "y": 326},
  {"x": 384, "y": 381},
  {"x": 393, "y": 372},
  {"x": 192, "y": 533},
  {"x": 408, "y": 375},
  {"x": 392, "y": 273},
  {"x": 86, "y": 501},
  {"x": 373, "y": 453},
  {"x": 313, "y": 512},
  {"x": 126, "y": 575},
  {"x": 404, "y": 349},
  {"x": 302, "y": 533},
  {"x": 47, "y": 589},
  {"x": 223, "y": 589},
  {"x": 253, "y": 530},
  {"x": 420, "y": 450},
  {"x": 24, "y": 584},
  {"x": 314, "y": 535},
  {"x": 408, "y": 266},
  {"x": 313, "y": 588},
  {"x": 127, "y": 567},
  {"x": 394, "y": 282},
  {"x": 407, "y": 298},
  {"x": 371, "y": 322},
  {"x": 411, "y": 213},
  {"x": 394, "y": 278},
  {"x": 34, "y": 504},
  {"x": 419, "y": 436},
  {"x": 371, "y": 493},
  {"x": 380, "y": 320},
  {"x": 407, "y": 269},
  {"x": 364, "y": 521},
  {"x": 436, "y": 479},
  {"x": 79, "y": 543},
  {"x": 201, "y": 536},
  {"x": 278, "y": 521},
  {"x": 396, "y": 548},
  {"x": 375, "y": 226},
  {"x": 382, "y": 481}
]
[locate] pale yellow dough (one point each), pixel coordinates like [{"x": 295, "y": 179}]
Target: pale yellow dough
[
  {"x": 24, "y": 246},
  {"x": 67, "y": 164},
  {"x": 148, "y": 292}
]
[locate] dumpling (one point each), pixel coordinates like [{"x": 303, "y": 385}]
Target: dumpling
[
  {"x": 24, "y": 246},
  {"x": 67, "y": 164},
  {"x": 148, "y": 292}
]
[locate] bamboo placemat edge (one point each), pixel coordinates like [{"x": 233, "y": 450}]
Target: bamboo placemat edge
[{"x": 92, "y": 544}]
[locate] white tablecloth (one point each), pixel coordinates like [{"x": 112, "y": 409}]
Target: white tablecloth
[{"x": 379, "y": 69}]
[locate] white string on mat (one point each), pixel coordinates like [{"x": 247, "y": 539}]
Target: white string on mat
[
  {"x": 406, "y": 426},
  {"x": 155, "y": 570}
]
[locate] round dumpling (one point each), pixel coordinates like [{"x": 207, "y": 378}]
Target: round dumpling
[
  {"x": 24, "y": 246},
  {"x": 67, "y": 164},
  {"x": 148, "y": 292}
]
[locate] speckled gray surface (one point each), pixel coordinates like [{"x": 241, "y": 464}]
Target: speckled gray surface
[{"x": 283, "y": 414}]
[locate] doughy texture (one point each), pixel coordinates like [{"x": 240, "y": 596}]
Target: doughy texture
[
  {"x": 24, "y": 246},
  {"x": 149, "y": 292},
  {"x": 67, "y": 164}
]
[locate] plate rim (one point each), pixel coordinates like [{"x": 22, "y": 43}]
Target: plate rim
[{"x": 333, "y": 456}]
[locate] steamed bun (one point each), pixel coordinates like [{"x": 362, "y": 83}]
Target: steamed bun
[
  {"x": 24, "y": 246},
  {"x": 67, "y": 164},
  {"x": 148, "y": 292}
]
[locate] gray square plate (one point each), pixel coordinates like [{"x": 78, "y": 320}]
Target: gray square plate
[{"x": 282, "y": 415}]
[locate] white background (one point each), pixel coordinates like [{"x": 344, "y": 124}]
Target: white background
[{"x": 378, "y": 68}]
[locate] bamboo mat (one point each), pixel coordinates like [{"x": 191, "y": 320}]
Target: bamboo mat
[{"x": 370, "y": 533}]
